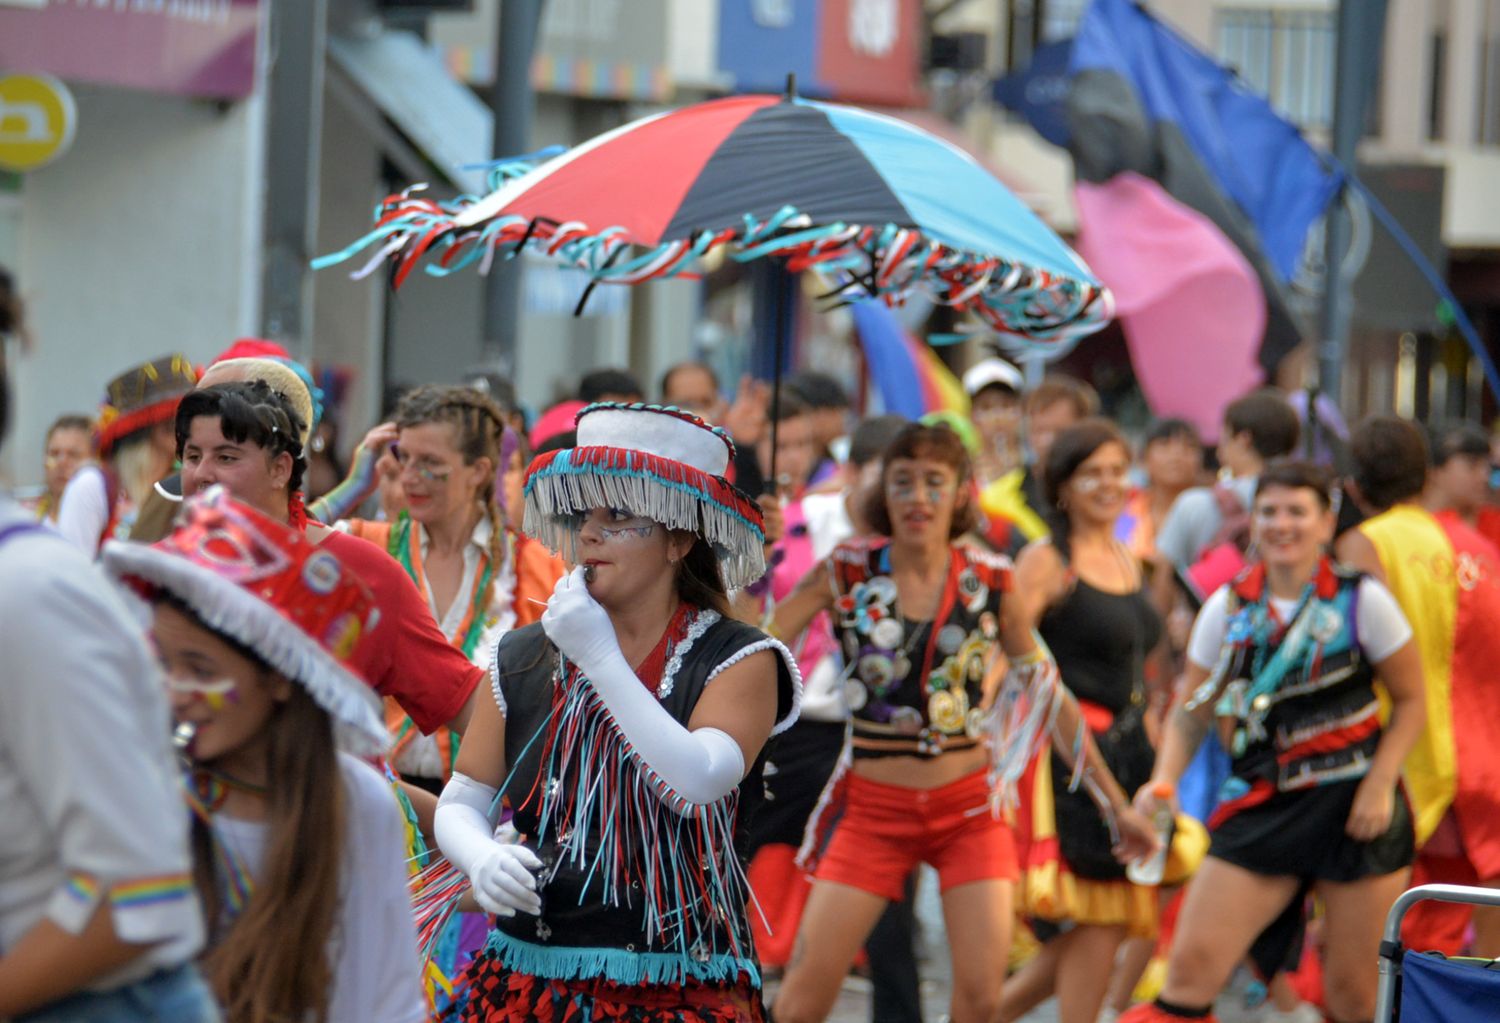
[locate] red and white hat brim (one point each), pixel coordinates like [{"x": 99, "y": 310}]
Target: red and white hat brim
[{"x": 229, "y": 608}]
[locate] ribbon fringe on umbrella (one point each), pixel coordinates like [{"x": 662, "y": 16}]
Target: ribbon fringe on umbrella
[{"x": 887, "y": 262}]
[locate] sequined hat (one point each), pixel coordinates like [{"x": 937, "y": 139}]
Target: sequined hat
[
  {"x": 655, "y": 461},
  {"x": 142, "y": 397},
  {"x": 273, "y": 590}
]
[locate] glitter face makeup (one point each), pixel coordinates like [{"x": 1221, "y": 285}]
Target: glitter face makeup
[
  {"x": 624, "y": 526},
  {"x": 625, "y": 532},
  {"x": 907, "y": 490},
  {"x": 1091, "y": 480},
  {"x": 218, "y": 693},
  {"x": 426, "y": 469}
]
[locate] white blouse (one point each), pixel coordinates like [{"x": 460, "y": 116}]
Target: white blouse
[{"x": 373, "y": 949}]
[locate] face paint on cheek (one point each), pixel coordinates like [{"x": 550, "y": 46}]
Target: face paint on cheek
[
  {"x": 218, "y": 694},
  {"x": 936, "y": 495},
  {"x": 627, "y": 532}
]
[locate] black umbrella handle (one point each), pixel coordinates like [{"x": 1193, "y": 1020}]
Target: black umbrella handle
[{"x": 778, "y": 357}]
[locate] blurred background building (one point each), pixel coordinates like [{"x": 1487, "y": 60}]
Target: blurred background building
[{"x": 220, "y": 144}]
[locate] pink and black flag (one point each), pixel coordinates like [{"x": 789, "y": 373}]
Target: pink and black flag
[{"x": 1194, "y": 200}]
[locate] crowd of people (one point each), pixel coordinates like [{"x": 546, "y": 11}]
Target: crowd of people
[{"x": 664, "y": 706}]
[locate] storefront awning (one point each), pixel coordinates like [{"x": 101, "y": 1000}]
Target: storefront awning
[{"x": 413, "y": 88}]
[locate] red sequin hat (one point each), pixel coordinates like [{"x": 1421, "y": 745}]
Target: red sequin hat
[{"x": 273, "y": 590}]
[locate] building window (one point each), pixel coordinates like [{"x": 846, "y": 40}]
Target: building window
[
  {"x": 1060, "y": 18},
  {"x": 1286, "y": 55},
  {"x": 1489, "y": 77}
]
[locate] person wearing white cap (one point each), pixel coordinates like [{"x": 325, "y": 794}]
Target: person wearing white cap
[
  {"x": 994, "y": 389},
  {"x": 626, "y": 729}
]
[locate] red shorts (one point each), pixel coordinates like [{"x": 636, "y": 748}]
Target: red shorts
[{"x": 886, "y": 830}]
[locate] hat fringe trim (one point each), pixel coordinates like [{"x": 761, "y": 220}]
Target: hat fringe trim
[
  {"x": 563, "y": 485},
  {"x": 228, "y": 608},
  {"x": 880, "y": 261}
]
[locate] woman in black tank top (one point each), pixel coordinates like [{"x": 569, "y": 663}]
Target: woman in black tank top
[{"x": 1100, "y": 627}]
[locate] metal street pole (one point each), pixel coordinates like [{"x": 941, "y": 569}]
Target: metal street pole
[
  {"x": 1361, "y": 32},
  {"x": 294, "y": 131},
  {"x": 513, "y": 104}
]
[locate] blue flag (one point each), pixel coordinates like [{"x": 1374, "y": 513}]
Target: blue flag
[
  {"x": 1251, "y": 154},
  {"x": 1040, "y": 93}
]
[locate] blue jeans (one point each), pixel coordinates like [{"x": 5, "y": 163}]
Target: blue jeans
[{"x": 173, "y": 996}]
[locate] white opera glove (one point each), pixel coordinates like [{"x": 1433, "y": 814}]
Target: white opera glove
[
  {"x": 696, "y": 767},
  {"x": 502, "y": 875}
]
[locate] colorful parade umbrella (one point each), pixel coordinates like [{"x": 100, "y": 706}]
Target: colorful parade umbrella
[{"x": 879, "y": 205}]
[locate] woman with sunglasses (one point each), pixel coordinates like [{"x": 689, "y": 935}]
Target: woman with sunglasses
[
  {"x": 625, "y": 730},
  {"x": 1100, "y": 625},
  {"x": 1284, "y": 659},
  {"x": 479, "y": 577},
  {"x": 921, "y": 619}
]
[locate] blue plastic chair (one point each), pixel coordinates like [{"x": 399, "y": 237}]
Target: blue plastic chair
[{"x": 1420, "y": 988}]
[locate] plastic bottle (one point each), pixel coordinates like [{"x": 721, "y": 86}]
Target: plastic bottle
[{"x": 1148, "y": 871}]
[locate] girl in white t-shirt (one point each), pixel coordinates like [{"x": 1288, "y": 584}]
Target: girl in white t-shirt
[
  {"x": 298, "y": 848},
  {"x": 1284, "y": 661}
]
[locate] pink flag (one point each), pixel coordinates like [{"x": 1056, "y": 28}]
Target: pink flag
[{"x": 1190, "y": 304}]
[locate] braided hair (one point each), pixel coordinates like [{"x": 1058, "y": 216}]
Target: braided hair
[{"x": 479, "y": 432}]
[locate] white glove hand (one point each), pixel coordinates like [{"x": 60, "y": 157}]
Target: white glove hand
[
  {"x": 501, "y": 873},
  {"x": 504, "y": 882},
  {"x": 580, "y": 627},
  {"x": 698, "y": 767}
]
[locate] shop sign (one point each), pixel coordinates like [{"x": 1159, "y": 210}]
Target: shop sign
[
  {"x": 179, "y": 47},
  {"x": 37, "y": 121}
]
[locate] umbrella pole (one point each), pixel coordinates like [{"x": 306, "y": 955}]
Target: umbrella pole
[
  {"x": 780, "y": 334},
  {"x": 777, "y": 357}
]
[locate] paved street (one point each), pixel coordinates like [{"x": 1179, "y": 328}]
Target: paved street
[{"x": 854, "y": 1004}]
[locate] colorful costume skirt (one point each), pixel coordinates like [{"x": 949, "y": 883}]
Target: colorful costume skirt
[
  {"x": 1069, "y": 876},
  {"x": 499, "y": 994}
]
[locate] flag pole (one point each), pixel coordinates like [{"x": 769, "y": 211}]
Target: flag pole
[{"x": 1361, "y": 30}]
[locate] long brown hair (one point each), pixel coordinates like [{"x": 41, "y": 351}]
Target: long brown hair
[
  {"x": 479, "y": 428},
  {"x": 699, "y": 581},
  {"x": 272, "y": 961}
]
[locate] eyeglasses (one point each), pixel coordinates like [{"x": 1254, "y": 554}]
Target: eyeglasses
[{"x": 427, "y": 470}]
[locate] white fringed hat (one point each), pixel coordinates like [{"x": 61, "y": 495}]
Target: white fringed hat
[
  {"x": 271, "y": 589},
  {"x": 656, "y": 461}
]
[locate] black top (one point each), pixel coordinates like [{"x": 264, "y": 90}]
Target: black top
[
  {"x": 577, "y": 910},
  {"x": 1100, "y": 641},
  {"x": 913, "y": 692}
]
